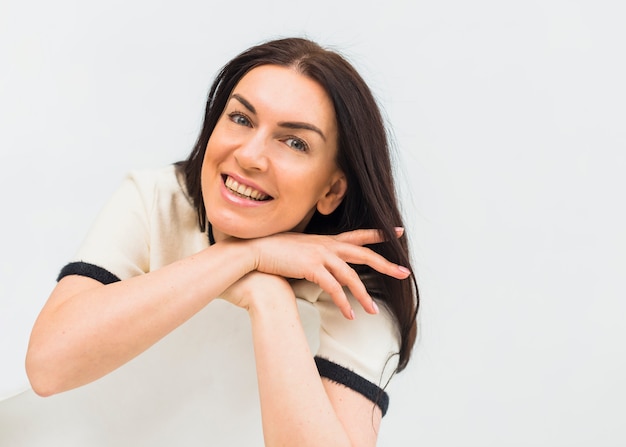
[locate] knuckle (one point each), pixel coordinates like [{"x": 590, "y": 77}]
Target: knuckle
[
  {"x": 336, "y": 289},
  {"x": 353, "y": 276}
]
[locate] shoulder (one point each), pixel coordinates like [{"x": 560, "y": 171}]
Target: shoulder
[
  {"x": 148, "y": 223},
  {"x": 166, "y": 181},
  {"x": 162, "y": 196}
]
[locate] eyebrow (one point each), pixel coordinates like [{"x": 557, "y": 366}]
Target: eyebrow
[
  {"x": 245, "y": 102},
  {"x": 286, "y": 124}
]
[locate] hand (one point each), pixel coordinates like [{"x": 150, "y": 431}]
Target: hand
[
  {"x": 324, "y": 261},
  {"x": 253, "y": 284}
]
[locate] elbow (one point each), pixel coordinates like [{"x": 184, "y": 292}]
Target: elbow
[
  {"x": 41, "y": 386},
  {"x": 41, "y": 381},
  {"x": 40, "y": 390}
]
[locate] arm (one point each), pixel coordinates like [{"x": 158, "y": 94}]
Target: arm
[
  {"x": 87, "y": 329},
  {"x": 298, "y": 407}
]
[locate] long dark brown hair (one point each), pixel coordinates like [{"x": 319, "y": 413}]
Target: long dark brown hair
[{"x": 363, "y": 155}]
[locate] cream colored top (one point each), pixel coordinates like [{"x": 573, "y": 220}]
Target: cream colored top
[{"x": 150, "y": 222}]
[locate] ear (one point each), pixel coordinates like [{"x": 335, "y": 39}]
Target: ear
[{"x": 334, "y": 195}]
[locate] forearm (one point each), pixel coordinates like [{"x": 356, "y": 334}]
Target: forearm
[
  {"x": 295, "y": 407},
  {"x": 88, "y": 329}
]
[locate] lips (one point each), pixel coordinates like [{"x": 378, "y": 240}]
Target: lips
[{"x": 244, "y": 191}]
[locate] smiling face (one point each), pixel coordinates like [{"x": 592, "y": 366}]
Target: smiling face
[{"x": 270, "y": 161}]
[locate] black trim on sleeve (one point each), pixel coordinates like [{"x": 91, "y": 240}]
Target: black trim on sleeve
[
  {"x": 352, "y": 380},
  {"x": 88, "y": 270}
]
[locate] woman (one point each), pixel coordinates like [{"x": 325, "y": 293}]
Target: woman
[{"x": 287, "y": 183}]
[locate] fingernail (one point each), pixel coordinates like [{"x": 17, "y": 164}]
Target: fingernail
[
  {"x": 352, "y": 316},
  {"x": 399, "y": 231},
  {"x": 375, "y": 306},
  {"x": 404, "y": 270}
]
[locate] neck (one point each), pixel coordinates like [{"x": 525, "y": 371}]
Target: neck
[{"x": 215, "y": 235}]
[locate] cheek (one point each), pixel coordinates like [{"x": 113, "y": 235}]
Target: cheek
[
  {"x": 304, "y": 191},
  {"x": 204, "y": 170},
  {"x": 208, "y": 169},
  {"x": 209, "y": 152},
  {"x": 213, "y": 153}
]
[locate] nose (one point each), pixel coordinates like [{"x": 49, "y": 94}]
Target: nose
[{"x": 252, "y": 154}]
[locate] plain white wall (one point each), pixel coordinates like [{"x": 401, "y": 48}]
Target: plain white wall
[{"x": 509, "y": 121}]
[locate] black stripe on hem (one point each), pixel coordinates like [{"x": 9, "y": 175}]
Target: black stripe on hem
[
  {"x": 88, "y": 270},
  {"x": 352, "y": 380}
]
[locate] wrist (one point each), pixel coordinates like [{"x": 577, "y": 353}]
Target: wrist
[
  {"x": 244, "y": 251},
  {"x": 270, "y": 294}
]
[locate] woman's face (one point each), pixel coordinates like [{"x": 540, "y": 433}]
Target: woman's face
[{"x": 270, "y": 161}]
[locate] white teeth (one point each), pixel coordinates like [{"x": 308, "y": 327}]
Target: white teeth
[{"x": 243, "y": 190}]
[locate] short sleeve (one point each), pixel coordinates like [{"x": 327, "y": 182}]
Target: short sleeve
[
  {"x": 147, "y": 223},
  {"x": 118, "y": 240},
  {"x": 361, "y": 354}
]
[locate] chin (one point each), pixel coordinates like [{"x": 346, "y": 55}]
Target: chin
[
  {"x": 251, "y": 228},
  {"x": 251, "y": 231},
  {"x": 239, "y": 232}
]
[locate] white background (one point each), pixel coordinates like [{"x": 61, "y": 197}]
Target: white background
[{"x": 509, "y": 121}]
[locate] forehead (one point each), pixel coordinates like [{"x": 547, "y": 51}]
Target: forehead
[{"x": 284, "y": 92}]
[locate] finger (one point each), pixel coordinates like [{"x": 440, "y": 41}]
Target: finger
[
  {"x": 361, "y": 237},
  {"x": 362, "y": 255},
  {"x": 366, "y": 236},
  {"x": 329, "y": 284},
  {"x": 347, "y": 276}
]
